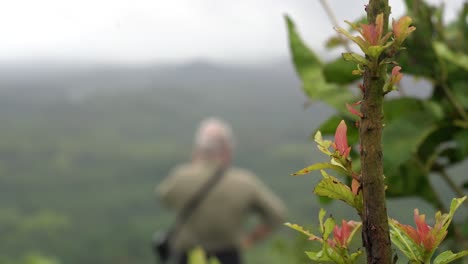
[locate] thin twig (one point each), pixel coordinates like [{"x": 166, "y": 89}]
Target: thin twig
[
  {"x": 436, "y": 198},
  {"x": 334, "y": 22},
  {"x": 443, "y": 74},
  {"x": 459, "y": 238},
  {"x": 452, "y": 184},
  {"x": 454, "y": 102}
]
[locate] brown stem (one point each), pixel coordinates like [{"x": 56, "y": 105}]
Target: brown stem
[{"x": 375, "y": 230}]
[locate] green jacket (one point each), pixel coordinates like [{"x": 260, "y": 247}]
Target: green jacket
[{"x": 219, "y": 221}]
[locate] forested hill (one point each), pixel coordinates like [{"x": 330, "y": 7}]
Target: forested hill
[{"x": 82, "y": 147}]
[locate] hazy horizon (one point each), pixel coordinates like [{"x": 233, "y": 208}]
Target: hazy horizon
[{"x": 126, "y": 32}]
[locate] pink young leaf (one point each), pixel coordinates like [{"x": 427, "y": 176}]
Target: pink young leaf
[
  {"x": 401, "y": 28},
  {"x": 396, "y": 75},
  {"x": 341, "y": 142},
  {"x": 355, "y": 185},
  {"x": 341, "y": 234},
  {"x": 353, "y": 110}
]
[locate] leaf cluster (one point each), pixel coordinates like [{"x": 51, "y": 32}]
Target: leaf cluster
[{"x": 421, "y": 135}]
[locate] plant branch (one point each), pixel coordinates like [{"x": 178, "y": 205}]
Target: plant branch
[
  {"x": 431, "y": 164},
  {"x": 436, "y": 200},
  {"x": 334, "y": 21},
  {"x": 375, "y": 229},
  {"x": 454, "y": 101},
  {"x": 450, "y": 97},
  {"x": 451, "y": 184}
]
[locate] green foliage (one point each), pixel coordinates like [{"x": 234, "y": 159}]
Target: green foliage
[
  {"x": 290, "y": 249},
  {"x": 404, "y": 136},
  {"x": 320, "y": 166},
  {"x": 331, "y": 187},
  {"x": 420, "y": 136},
  {"x": 448, "y": 256},
  {"x": 333, "y": 249},
  {"x": 420, "y": 244},
  {"x": 418, "y": 133},
  {"x": 309, "y": 69},
  {"x": 334, "y": 72},
  {"x": 329, "y": 126},
  {"x": 403, "y": 242},
  {"x": 443, "y": 51}
]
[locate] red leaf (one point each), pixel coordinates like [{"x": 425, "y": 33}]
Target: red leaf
[
  {"x": 341, "y": 142},
  {"x": 355, "y": 186},
  {"x": 353, "y": 111}
]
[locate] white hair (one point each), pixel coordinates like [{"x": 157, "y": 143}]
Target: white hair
[{"x": 213, "y": 138}]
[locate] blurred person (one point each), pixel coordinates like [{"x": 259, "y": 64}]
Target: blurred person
[{"x": 217, "y": 224}]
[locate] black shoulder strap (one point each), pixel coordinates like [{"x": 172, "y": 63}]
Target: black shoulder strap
[{"x": 193, "y": 203}]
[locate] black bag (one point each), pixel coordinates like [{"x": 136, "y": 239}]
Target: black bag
[
  {"x": 161, "y": 246},
  {"x": 162, "y": 240}
]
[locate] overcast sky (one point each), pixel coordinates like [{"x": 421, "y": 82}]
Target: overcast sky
[{"x": 167, "y": 30}]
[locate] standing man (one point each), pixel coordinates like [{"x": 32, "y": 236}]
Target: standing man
[{"x": 218, "y": 223}]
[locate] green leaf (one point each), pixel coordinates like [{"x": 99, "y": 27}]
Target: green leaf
[
  {"x": 331, "y": 187},
  {"x": 403, "y": 242},
  {"x": 403, "y": 137},
  {"x": 355, "y": 255},
  {"x": 322, "y": 214},
  {"x": 419, "y": 57},
  {"x": 448, "y": 256},
  {"x": 318, "y": 256},
  {"x": 397, "y": 108},
  {"x": 328, "y": 227},
  {"x": 456, "y": 202},
  {"x": 327, "y": 254},
  {"x": 302, "y": 230},
  {"x": 309, "y": 69},
  {"x": 410, "y": 180},
  {"x": 320, "y": 166},
  {"x": 303, "y": 58},
  {"x": 354, "y": 57},
  {"x": 323, "y": 145},
  {"x": 444, "y": 220},
  {"x": 339, "y": 72},
  {"x": 411, "y": 177},
  {"x": 363, "y": 45},
  {"x": 324, "y": 200},
  {"x": 460, "y": 91},
  {"x": 444, "y": 52},
  {"x": 461, "y": 139},
  {"x": 334, "y": 42},
  {"x": 355, "y": 229},
  {"x": 335, "y": 255},
  {"x": 375, "y": 51}
]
